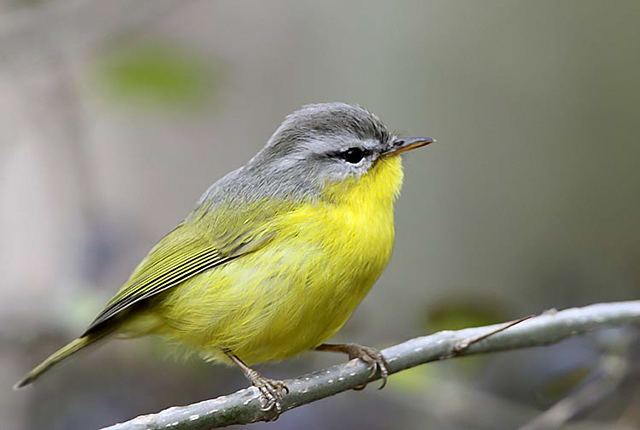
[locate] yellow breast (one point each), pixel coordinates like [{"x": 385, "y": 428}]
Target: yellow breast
[{"x": 300, "y": 289}]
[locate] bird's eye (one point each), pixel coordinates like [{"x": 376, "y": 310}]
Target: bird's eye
[{"x": 352, "y": 155}]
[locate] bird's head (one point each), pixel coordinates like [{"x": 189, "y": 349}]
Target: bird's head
[{"x": 329, "y": 144}]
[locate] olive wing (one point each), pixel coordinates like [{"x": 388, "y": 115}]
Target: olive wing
[{"x": 180, "y": 255}]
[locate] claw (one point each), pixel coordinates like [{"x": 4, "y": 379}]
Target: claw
[
  {"x": 271, "y": 393},
  {"x": 371, "y": 356},
  {"x": 374, "y": 359}
]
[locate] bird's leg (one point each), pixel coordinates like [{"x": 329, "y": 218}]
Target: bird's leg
[
  {"x": 271, "y": 391},
  {"x": 374, "y": 359}
]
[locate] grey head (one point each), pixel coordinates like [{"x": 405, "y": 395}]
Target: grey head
[{"x": 314, "y": 146}]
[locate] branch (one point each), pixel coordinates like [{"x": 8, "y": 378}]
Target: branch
[
  {"x": 243, "y": 407},
  {"x": 606, "y": 379}
]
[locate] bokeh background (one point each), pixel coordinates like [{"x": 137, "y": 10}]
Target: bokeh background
[{"x": 116, "y": 115}]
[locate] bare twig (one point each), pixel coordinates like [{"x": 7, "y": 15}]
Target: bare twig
[
  {"x": 610, "y": 374},
  {"x": 463, "y": 345},
  {"x": 243, "y": 406},
  {"x": 456, "y": 404}
]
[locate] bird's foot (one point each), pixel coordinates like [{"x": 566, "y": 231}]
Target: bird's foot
[
  {"x": 371, "y": 356},
  {"x": 271, "y": 393}
]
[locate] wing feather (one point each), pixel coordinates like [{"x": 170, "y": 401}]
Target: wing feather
[{"x": 180, "y": 255}]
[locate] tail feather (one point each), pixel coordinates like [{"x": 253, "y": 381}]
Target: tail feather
[{"x": 64, "y": 352}]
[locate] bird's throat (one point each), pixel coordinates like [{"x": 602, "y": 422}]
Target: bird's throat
[{"x": 379, "y": 186}]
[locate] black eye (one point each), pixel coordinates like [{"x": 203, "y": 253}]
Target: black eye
[{"x": 352, "y": 155}]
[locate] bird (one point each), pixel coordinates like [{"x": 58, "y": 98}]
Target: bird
[{"x": 275, "y": 256}]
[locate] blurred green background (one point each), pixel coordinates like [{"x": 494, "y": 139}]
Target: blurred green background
[{"x": 116, "y": 115}]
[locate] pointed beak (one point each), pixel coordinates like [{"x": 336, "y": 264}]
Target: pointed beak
[{"x": 404, "y": 144}]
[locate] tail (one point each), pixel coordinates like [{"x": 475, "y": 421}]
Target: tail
[{"x": 55, "y": 358}]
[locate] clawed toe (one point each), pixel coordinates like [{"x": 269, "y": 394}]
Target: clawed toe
[
  {"x": 371, "y": 356},
  {"x": 374, "y": 359},
  {"x": 271, "y": 391},
  {"x": 271, "y": 394}
]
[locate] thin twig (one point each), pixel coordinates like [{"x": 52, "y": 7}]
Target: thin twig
[
  {"x": 606, "y": 379},
  {"x": 463, "y": 345},
  {"x": 243, "y": 406}
]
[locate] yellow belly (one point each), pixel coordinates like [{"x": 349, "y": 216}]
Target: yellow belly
[{"x": 298, "y": 290}]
